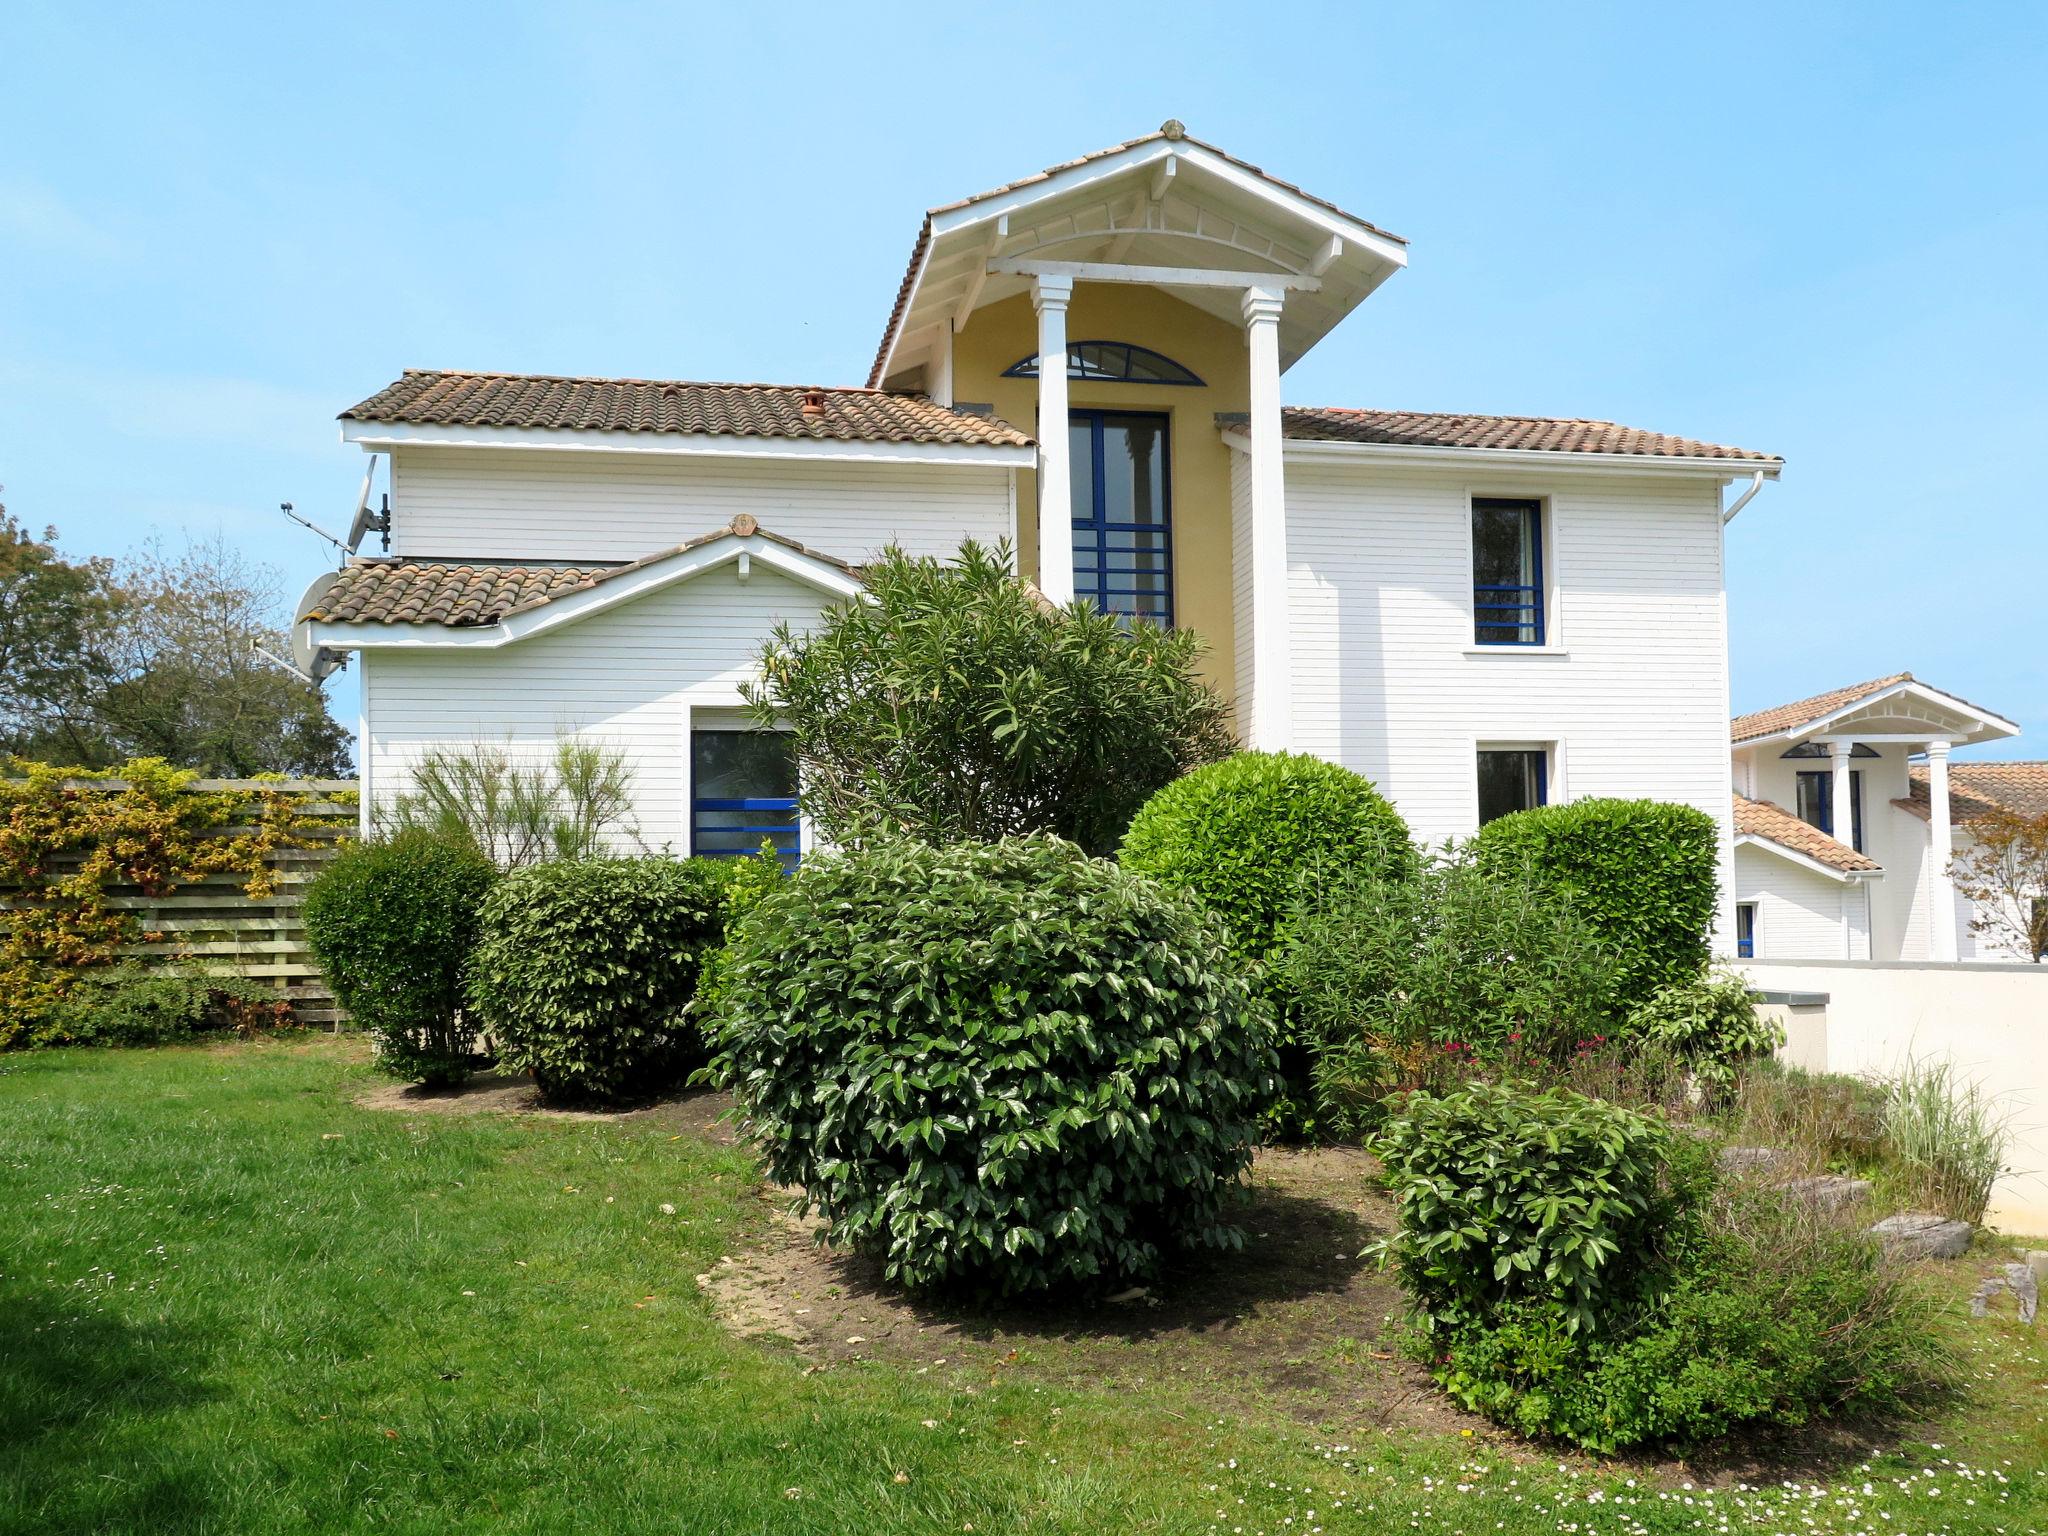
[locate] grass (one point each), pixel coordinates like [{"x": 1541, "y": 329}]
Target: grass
[{"x": 232, "y": 1301}]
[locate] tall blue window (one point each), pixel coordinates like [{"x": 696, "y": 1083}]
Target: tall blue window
[
  {"x": 1817, "y": 804},
  {"x": 1507, "y": 571},
  {"x": 1123, "y": 551},
  {"x": 743, "y": 794},
  {"x": 1115, "y": 361},
  {"x": 1745, "y": 930}
]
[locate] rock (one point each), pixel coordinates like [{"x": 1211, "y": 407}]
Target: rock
[
  {"x": 1827, "y": 1191},
  {"x": 2017, "y": 1279},
  {"x": 1754, "y": 1159},
  {"x": 1919, "y": 1235}
]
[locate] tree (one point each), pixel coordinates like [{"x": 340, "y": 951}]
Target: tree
[
  {"x": 955, "y": 702},
  {"x": 54, "y": 615},
  {"x": 2004, "y": 873},
  {"x": 188, "y": 686}
]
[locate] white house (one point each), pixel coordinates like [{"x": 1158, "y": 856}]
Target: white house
[
  {"x": 1812, "y": 883},
  {"x": 1478, "y": 612}
]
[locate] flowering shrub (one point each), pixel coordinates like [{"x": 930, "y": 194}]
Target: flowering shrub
[{"x": 66, "y": 843}]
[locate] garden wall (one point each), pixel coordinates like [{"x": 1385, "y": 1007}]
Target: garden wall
[
  {"x": 214, "y": 921},
  {"x": 1866, "y": 1016}
]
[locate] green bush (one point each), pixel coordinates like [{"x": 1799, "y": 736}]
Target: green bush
[
  {"x": 1775, "y": 1317},
  {"x": 392, "y": 924},
  {"x": 133, "y": 1004},
  {"x": 1246, "y": 833},
  {"x": 1643, "y": 873},
  {"x": 1395, "y": 980},
  {"x": 1712, "y": 1024},
  {"x": 1005, "y": 1066},
  {"x": 584, "y": 970},
  {"x": 953, "y": 702},
  {"x": 1509, "y": 1196}
]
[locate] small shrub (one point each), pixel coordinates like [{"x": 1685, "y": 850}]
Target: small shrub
[
  {"x": 160, "y": 1005},
  {"x": 1643, "y": 873},
  {"x": 1507, "y": 1195},
  {"x": 1711, "y": 1023},
  {"x": 584, "y": 969},
  {"x": 1947, "y": 1138},
  {"x": 1005, "y": 1066},
  {"x": 1407, "y": 981},
  {"x": 570, "y": 806},
  {"x": 953, "y": 702},
  {"x": 392, "y": 924}
]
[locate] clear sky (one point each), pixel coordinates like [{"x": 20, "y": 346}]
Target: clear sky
[{"x": 1816, "y": 230}]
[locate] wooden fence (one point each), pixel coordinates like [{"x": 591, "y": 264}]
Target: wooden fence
[{"x": 214, "y": 922}]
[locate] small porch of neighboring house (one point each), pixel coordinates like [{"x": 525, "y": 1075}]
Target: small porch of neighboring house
[{"x": 1832, "y": 858}]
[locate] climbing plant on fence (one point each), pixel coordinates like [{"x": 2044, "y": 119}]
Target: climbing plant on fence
[{"x": 70, "y": 837}]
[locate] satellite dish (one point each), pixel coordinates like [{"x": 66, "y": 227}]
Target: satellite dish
[{"x": 360, "y": 523}]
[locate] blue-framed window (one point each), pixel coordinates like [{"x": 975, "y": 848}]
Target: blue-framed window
[
  {"x": 1745, "y": 930},
  {"x": 1507, "y": 571},
  {"x": 743, "y": 794},
  {"x": 1816, "y": 803},
  {"x": 1117, "y": 362},
  {"x": 1123, "y": 524},
  {"x": 1512, "y": 779}
]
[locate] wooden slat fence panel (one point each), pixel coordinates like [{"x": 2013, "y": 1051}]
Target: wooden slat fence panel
[{"x": 212, "y": 921}]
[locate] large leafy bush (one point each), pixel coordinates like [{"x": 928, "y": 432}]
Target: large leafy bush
[
  {"x": 1005, "y": 1066},
  {"x": 954, "y": 702},
  {"x": 1395, "y": 978},
  {"x": 1643, "y": 873},
  {"x": 392, "y": 924},
  {"x": 584, "y": 969},
  {"x": 1246, "y": 833},
  {"x": 1712, "y": 1024}
]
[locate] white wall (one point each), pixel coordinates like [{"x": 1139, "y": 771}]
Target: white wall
[
  {"x": 1991, "y": 1021},
  {"x": 1632, "y": 688},
  {"x": 1800, "y": 913},
  {"x": 530, "y": 504},
  {"x": 627, "y": 676}
]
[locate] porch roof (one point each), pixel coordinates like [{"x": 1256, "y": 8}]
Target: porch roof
[
  {"x": 1898, "y": 708},
  {"x": 1164, "y": 200},
  {"x": 1765, "y": 823}
]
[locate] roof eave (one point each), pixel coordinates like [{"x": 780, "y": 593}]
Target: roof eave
[
  {"x": 1805, "y": 860},
  {"x": 383, "y": 436},
  {"x": 1522, "y": 458}
]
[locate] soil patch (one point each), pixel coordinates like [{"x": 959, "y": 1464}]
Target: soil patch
[
  {"x": 1298, "y": 1322},
  {"x": 698, "y": 1113}
]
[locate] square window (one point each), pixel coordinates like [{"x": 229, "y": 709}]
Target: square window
[{"x": 743, "y": 794}]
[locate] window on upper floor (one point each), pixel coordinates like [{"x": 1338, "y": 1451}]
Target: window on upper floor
[
  {"x": 1117, "y": 362},
  {"x": 1512, "y": 779},
  {"x": 1816, "y": 803},
  {"x": 1507, "y": 571},
  {"x": 743, "y": 794},
  {"x": 1123, "y": 524}
]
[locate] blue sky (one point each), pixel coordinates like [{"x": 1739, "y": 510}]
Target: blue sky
[{"x": 1817, "y": 230}]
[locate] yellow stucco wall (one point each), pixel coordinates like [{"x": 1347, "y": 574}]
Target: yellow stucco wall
[{"x": 998, "y": 335}]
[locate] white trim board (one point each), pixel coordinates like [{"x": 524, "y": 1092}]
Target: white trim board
[{"x": 383, "y": 436}]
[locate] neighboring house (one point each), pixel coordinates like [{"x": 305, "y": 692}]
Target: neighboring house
[
  {"x": 1478, "y": 612},
  {"x": 1814, "y": 883}
]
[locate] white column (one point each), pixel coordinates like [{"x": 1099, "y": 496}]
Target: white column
[
  {"x": 1272, "y": 684},
  {"x": 1049, "y": 296},
  {"x": 1941, "y": 918},
  {"x": 1840, "y": 793}
]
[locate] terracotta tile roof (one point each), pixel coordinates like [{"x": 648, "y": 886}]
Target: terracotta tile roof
[
  {"x": 1803, "y": 712},
  {"x": 1977, "y": 789},
  {"x": 1774, "y": 824},
  {"x": 1542, "y": 434},
  {"x": 432, "y": 397},
  {"x": 463, "y": 596}
]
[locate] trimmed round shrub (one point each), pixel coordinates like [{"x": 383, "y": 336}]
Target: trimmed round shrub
[
  {"x": 1246, "y": 833},
  {"x": 1003, "y": 1066},
  {"x": 392, "y": 924},
  {"x": 584, "y": 970},
  {"x": 1643, "y": 873}
]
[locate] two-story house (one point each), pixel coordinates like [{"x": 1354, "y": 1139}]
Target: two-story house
[{"x": 1479, "y": 613}]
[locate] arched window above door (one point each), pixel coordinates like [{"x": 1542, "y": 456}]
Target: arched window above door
[{"x": 1117, "y": 362}]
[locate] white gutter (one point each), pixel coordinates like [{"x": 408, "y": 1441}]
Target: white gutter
[
  {"x": 1756, "y": 483},
  {"x": 1521, "y": 458}
]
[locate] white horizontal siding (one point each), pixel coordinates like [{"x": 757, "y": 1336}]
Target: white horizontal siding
[
  {"x": 525, "y": 504},
  {"x": 1799, "y": 913},
  {"x": 1381, "y": 573},
  {"x": 624, "y": 677}
]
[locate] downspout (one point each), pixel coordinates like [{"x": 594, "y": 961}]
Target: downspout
[{"x": 1756, "y": 483}]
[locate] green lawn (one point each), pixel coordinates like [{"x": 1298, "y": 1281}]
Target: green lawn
[{"x": 232, "y": 1301}]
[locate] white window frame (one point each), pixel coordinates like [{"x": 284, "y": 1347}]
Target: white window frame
[{"x": 1554, "y": 642}]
